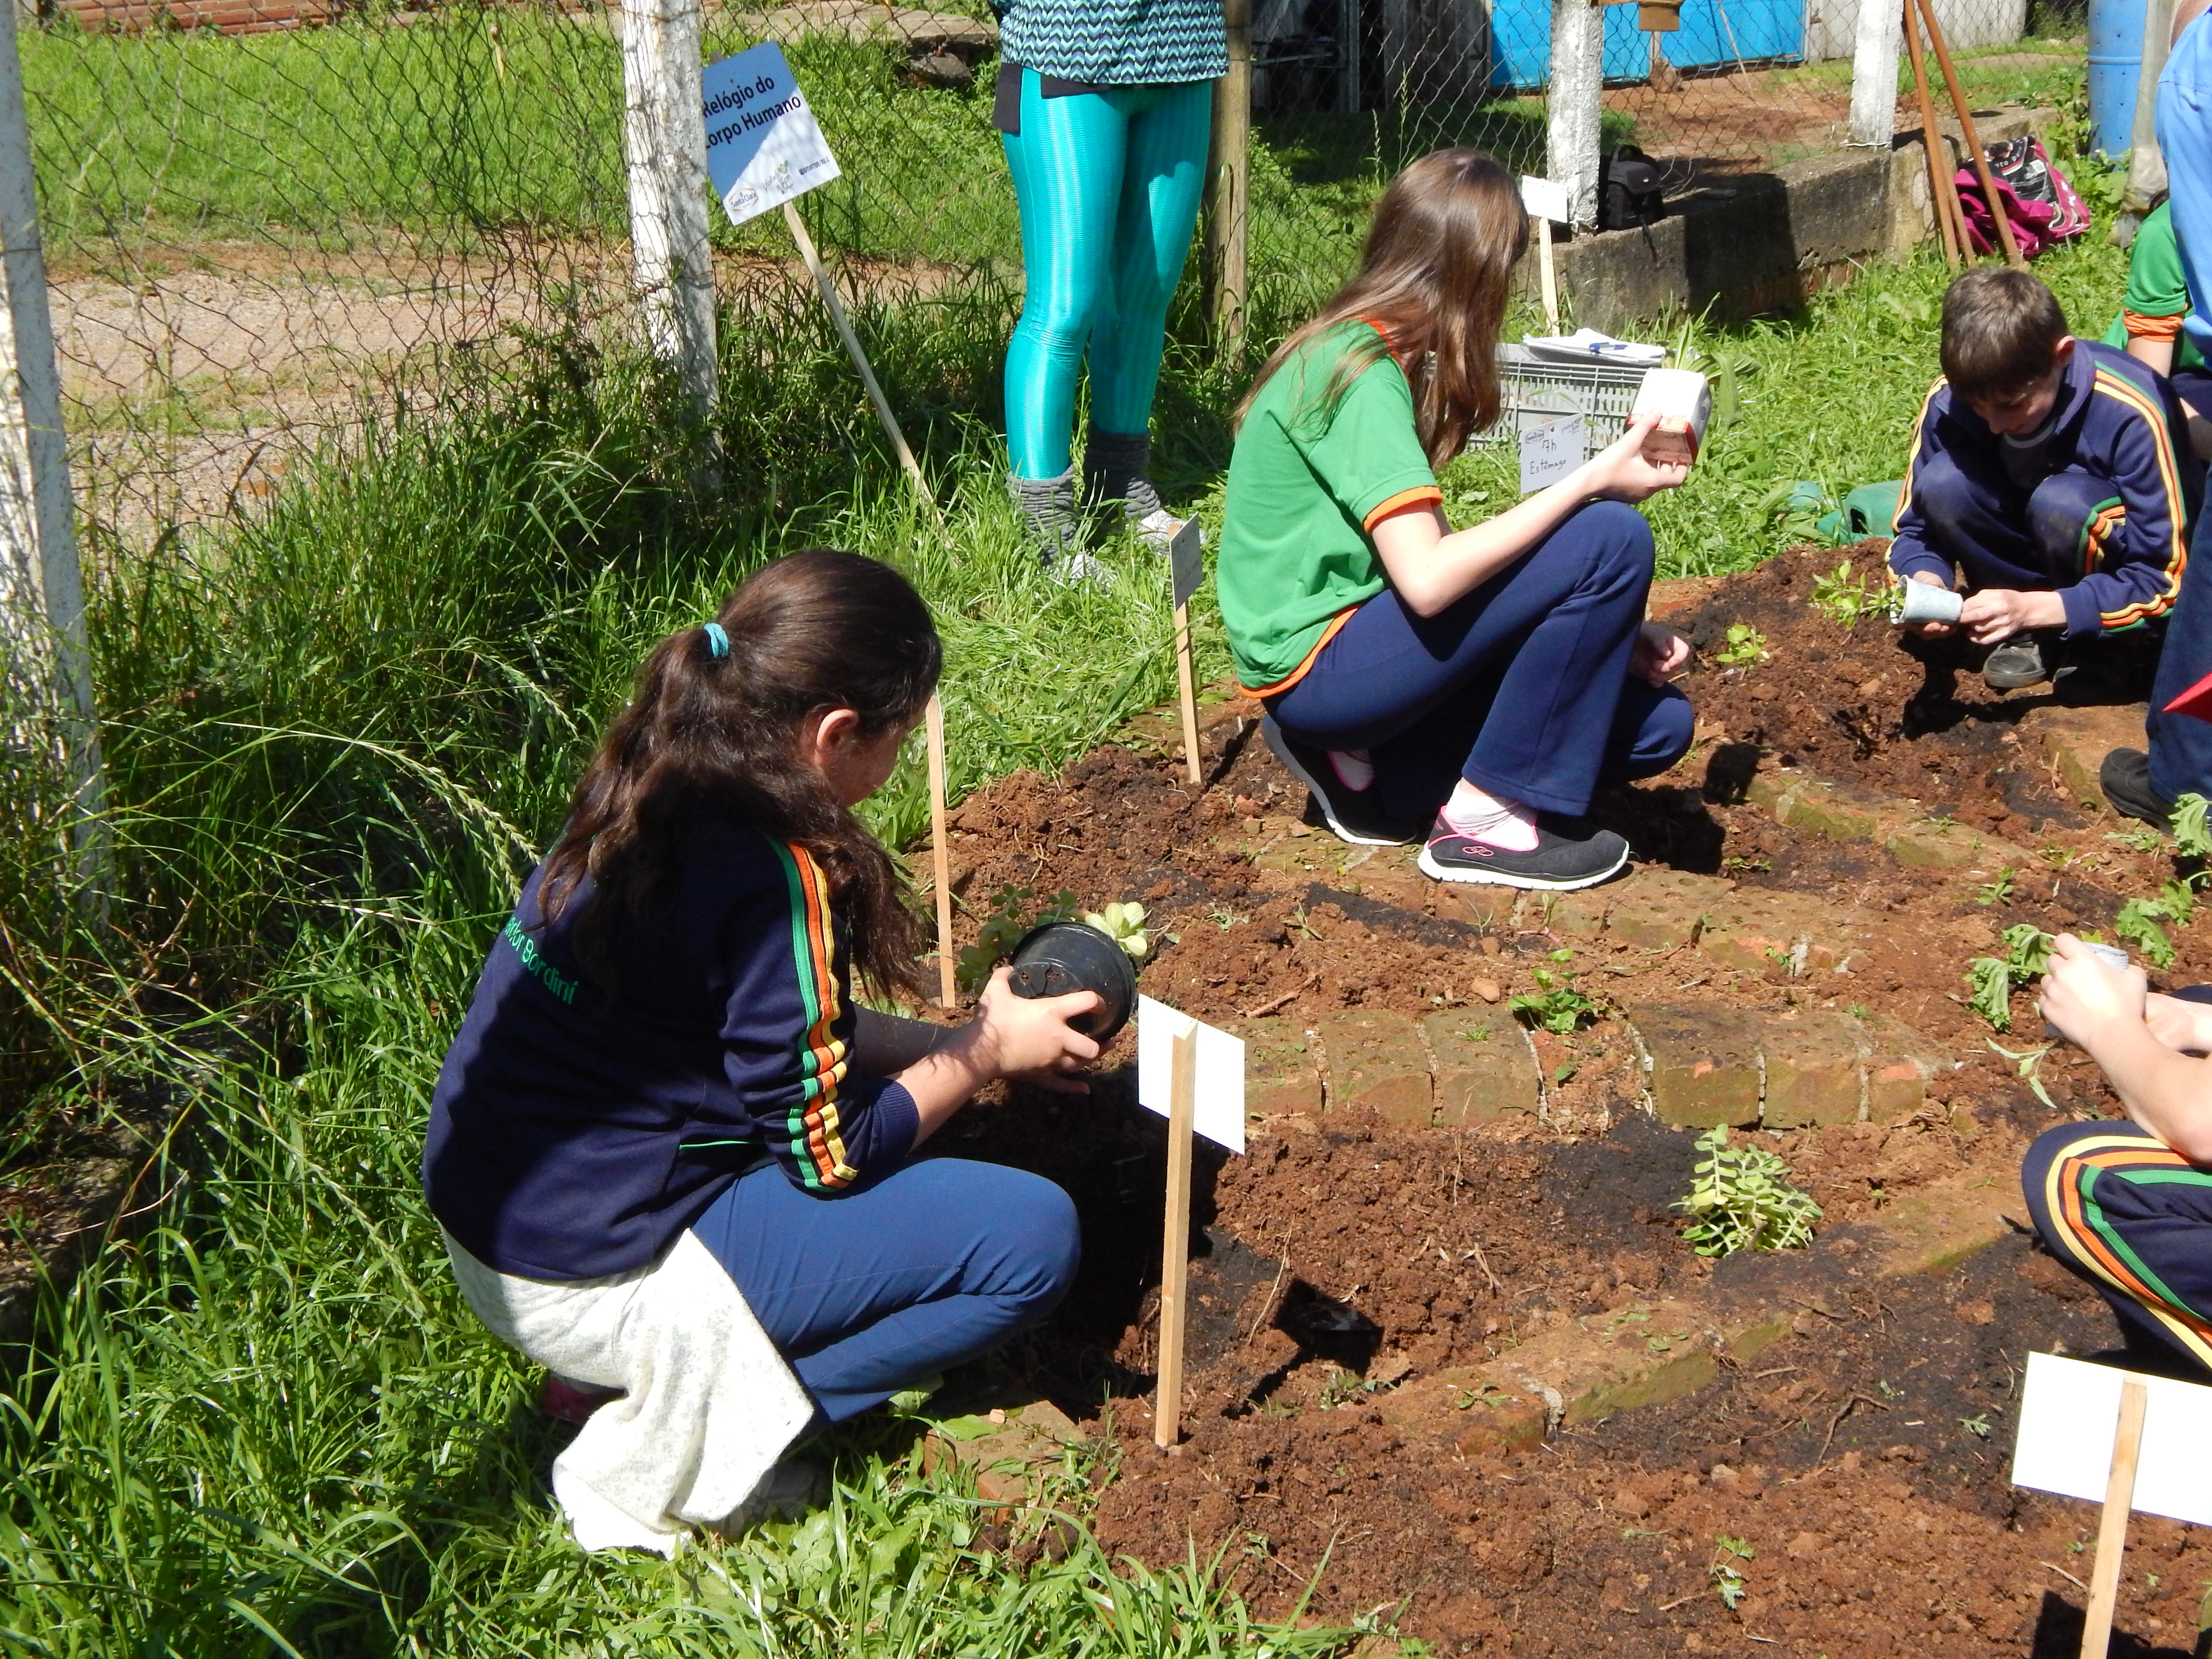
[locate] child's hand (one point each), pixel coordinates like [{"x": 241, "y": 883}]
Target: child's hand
[
  {"x": 1620, "y": 472},
  {"x": 1996, "y": 614},
  {"x": 1931, "y": 630},
  {"x": 2084, "y": 999},
  {"x": 1029, "y": 1038},
  {"x": 1659, "y": 654}
]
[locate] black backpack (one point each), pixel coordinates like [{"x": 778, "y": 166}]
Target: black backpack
[{"x": 1632, "y": 192}]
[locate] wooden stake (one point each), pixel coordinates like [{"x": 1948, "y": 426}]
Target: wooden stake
[
  {"x": 1974, "y": 140},
  {"x": 941, "y": 853},
  {"x": 1187, "y": 689},
  {"x": 1549, "y": 270},
  {"x": 1941, "y": 201},
  {"x": 2113, "y": 1528},
  {"x": 806, "y": 251},
  {"x": 1175, "y": 1237}
]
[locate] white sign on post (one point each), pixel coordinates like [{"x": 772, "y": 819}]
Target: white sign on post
[
  {"x": 1218, "y": 1113},
  {"x": 1553, "y": 439},
  {"x": 2069, "y": 1414},
  {"x": 1546, "y": 198},
  {"x": 763, "y": 147},
  {"x": 1188, "y": 570}
]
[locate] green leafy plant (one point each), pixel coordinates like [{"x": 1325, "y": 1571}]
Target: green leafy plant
[
  {"x": 1124, "y": 924},
  {"x": 2030, "y": 1062},
  {"x": 1557, "y": 1007},
  {"x": 2137, "y": 923},
  {"x": 1729, "y": 1583},
  {"x": 1844, "y": 599},
  {"x": 1004, "y": 924},
  {"x": 1990, "y": 980},
  {"x": 1977, "y": 1424},
  {"x": 2192, "y": 834},
  {"x": 1741, "y": 1198},
  {"x": 1746, "y": 647},
  {"x": 1996, "y": 893}
]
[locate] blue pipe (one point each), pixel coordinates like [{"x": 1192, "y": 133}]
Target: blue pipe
[{"x": 2115, "y": 49}]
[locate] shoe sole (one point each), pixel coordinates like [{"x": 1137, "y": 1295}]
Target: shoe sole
[
  {"x": 2014, "y": 682},
  {"x": 1429, "y": 867},
  {"x": 1320, "y": 799}
]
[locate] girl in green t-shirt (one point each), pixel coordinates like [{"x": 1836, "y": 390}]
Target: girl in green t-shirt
[{"x": 1481, "y": 682}]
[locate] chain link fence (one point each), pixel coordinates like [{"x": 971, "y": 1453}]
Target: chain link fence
[{"x": 266, "y": 220}]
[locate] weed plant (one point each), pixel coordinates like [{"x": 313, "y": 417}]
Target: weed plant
[{"x": 1741, "y": 1198}]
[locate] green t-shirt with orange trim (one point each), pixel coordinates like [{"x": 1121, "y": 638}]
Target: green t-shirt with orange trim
[{"x": 1305, "y": 487}]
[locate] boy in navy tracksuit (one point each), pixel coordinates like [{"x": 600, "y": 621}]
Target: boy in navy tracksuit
[{"x": 2052, "y": 472}]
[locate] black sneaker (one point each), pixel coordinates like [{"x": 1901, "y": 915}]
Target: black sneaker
[
  {"x": 2017, "y": 662},
  {"x": 2125, "y": 778},
  {"x": 1352, "y": 815},
  {"x": 1556, "y": 864}
]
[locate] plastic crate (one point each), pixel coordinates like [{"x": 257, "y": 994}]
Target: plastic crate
[{"x": 1537, "y": 389}]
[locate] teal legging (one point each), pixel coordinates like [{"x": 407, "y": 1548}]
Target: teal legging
[{"x": 1107, "y": 183}]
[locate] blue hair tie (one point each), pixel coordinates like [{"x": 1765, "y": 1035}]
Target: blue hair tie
[{"x": 718, "y": 641}]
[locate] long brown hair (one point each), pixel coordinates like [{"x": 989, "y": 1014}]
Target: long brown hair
[
  {"x": 1434, "y": 278},
  {"x": 720, "y": 734}
]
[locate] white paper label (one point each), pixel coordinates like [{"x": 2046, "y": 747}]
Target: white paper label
[
  {"x": 2070, "y": 1415},
  {"x": 1551, "y": 448},
  {"x": 1188, "y": 567},
  {"x": 762, "y": 145},
  {"x": 1546, "y": 198},
  {"x": 1218, "y": 1111}
]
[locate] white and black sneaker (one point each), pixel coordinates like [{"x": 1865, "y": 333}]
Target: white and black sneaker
[
  {"x": 1356, "y": 815},
  {"x": 1558, "y": 863}
]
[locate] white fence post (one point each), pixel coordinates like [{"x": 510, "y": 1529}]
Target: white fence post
[
  {"x": 46, "y": 669},
  {"x": 1573, "y": 109},
  {"x": 1874, "y": 73},
  {"x": 664, "y": 144}
]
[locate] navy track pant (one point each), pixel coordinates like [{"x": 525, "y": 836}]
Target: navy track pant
[
  {"x": 2181, "y": 744},
  {"x": 896, "y": 1279},
  {"x": 2048, "y": 537},
  {"x": 1522, "y": 687},
  {"x": 2134, "y": 1218}
]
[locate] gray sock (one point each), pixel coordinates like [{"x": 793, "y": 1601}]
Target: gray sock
[
  {"x": 1113, "y": 471},
  {"x": 1047, "y": 507}
]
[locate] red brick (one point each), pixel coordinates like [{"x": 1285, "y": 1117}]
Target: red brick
[
  {"x": 1282, "y": 1074},
  {"x": 1703, "y": 1063},
  {"x": 1663, "y": 909},
  {"x": 1376, "y": 1063},
  {"x": 1484, "y": 1068},
  {"x": 1813, "y": 1070},
  {"x": 1900, "y": 1063}
]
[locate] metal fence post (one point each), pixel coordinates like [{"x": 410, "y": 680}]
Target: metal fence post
[
  {"x": 664, "y": 147},
  {"x": 46, "y": 668},
  {"x": 1874, "y": 75},
  {"x": 1228, "y": 184},
  {"x": 1573, "y": 112}
]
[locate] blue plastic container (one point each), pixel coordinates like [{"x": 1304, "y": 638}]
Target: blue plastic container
[
  {"x": 1713, "y": 32},
  {"x": 2116, "y": 48}
]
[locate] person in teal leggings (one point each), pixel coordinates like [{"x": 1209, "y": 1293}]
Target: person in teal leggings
[{"x": 1104, "y": 108}]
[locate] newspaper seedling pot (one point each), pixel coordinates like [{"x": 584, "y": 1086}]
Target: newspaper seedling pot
[
  {"x": 1684, "y": 404},
  {"x": 1062, "y": 957},
  {"x": 1925, "y": 602}
]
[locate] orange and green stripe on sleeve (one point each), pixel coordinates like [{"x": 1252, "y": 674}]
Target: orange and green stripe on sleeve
[
  {"x": 2069, "y": 1198},
  {"x": 813, "y": 1123}
]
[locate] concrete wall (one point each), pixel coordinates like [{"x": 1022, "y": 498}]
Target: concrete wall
[
  {"x": 1832, "y": 26},
  {"x": 1779, "y": 237}
]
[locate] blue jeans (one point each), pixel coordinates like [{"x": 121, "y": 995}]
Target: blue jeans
[
  {"x": 1522, "y": 687},
  {"x": 897, "y": 1279},
  {"x": 2048, "y": 537}
]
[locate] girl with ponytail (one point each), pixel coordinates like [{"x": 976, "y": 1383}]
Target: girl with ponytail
[{"x": 671, "y": 1155}]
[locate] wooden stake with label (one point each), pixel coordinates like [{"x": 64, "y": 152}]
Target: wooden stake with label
[
  {"x": 1549, "y": 270},
  {"x": 1185, "y": 570},
  {"x": 2113, "y": 1527},
  {"x": 941, "y": 853},
  {"x": 1175, "y": 1240}
]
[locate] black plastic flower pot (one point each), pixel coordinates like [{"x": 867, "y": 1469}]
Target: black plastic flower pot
[{"x": 1062, "y": 957}]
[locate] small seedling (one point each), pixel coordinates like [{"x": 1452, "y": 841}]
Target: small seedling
[
  {"x": 1741, "y": 1199},
  {"x": 1562, "y": 1075},
  {"x": 1990, "y": 980},
  {"x": 1125, "y": 925},
  {"x": 1558, "y": 1007},
  {"x": 2192, "y": 835},
  {"x": 2144, "y": 838},
  {"x": 1844, "y": 598},
  {"x": 1002, "y": 929},
  {"x": 1746, "y": 647},
  {"x": 1977, "y": 1425},
  {"x": 2137, "y": 923},
  {"x": 1748, "y": 866},
  {"x": 1346, "y": 1387},
  {"x": 1225, "y": 919},
  {"x": 2029, "y": 1061},
  {"x": 1727, "y": 1583},
  {"x": 1996, "y": 893}
]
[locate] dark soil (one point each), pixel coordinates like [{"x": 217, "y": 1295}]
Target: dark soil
[{"x": 1341, "y": 1256}]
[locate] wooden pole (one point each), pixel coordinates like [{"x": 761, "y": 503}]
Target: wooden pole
[
  {"x": 1175, "y": 1237},
  {"x": 1549, "y": 268},
  {"x": 46, "y": 663},
  {"x": 1974, "y": 140},
  {"x": 806, "y": 251},
  {"x": 1942, "y": 202},
  {"x": 1228, "y": 184},
  {"x": 665, "y": 153},
  {"x": 2113, "y": 1527},
  {"x": 1187, "y": 689},
  {"x": 940, "y": 850}
]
